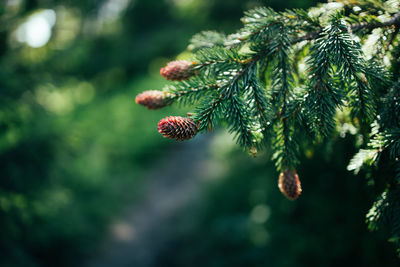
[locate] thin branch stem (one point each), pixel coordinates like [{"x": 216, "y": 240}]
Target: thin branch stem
[{"x": 395, "y": 20}]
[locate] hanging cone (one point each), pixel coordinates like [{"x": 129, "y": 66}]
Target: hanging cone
[{"x": 289, "y": 184}]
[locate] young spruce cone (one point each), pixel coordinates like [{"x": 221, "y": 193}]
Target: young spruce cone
[
  {"x": 289, "y": 184},
  {"x": 177, "y": 70},
  {"x": 152, "y": 99},
  {"x": 179, "y": 128}
]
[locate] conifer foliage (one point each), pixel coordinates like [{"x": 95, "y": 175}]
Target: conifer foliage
[{"x": 299, "y": 73}]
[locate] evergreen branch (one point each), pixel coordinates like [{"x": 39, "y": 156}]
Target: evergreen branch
[
  {"x": 228, "y": 73},
  {"x": 206, "y": 39},
  {"x": 378, "y": 213},
  {"x": 390, "y": 111},
  {"x": 348, "y": 57},
  {"x": 322, "y": 97},
  {"x": 236, "y": 113},
  {"x": 238, "y": 116},
  {"x": 279, "y": 49},
  {"x": 355, "y": 27},
  {"x": 207, "y": 114},
  {"x": 366, "y": 104},
  {"x": 368, "y": 156},
  {"x": 394, "y": 20},
  {"x": 378, "y": 77},
  {"x": 392, "y": 137},
  {"x": 381, "y": 141},
  {"x": 257, "y": 22},
  {"x": 190, "y": 91},
  {"x": 364, "y": 156},
  {"x": 320, "y": 104},
  {"x": 303, "y": 20},
  {"x": 284, "y": 146},
  {"x": 222, "y": 57},
  {"x": 259, "y": 102},
  {"x": 226, "y": 86},
  {"x": 386, "y": 212}
]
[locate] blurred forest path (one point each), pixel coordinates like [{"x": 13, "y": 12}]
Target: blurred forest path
[{"x": 143, "y": 231}]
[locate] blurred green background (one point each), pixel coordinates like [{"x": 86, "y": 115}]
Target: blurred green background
[{"x": 77, "y": 154}]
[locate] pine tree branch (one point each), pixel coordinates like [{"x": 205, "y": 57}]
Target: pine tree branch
[
  {"x": 261, "y": 103},
  {"x": 290, "y": 101},
  {"x": 204, "y": 118},
  {"x": 395, "y": 20}
]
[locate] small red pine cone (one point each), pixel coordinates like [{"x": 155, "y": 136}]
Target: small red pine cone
[
  {"x": 151, "y": 99},
  {"x": 177, "y": 70},
  {"x": 289, "y": 184},
  {"x": 179, "y": 128}
]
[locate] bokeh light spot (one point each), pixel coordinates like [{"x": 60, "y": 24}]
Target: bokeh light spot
[
  {"x": 260, "y": 213},
  {"x": 36, "y": 31}
]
